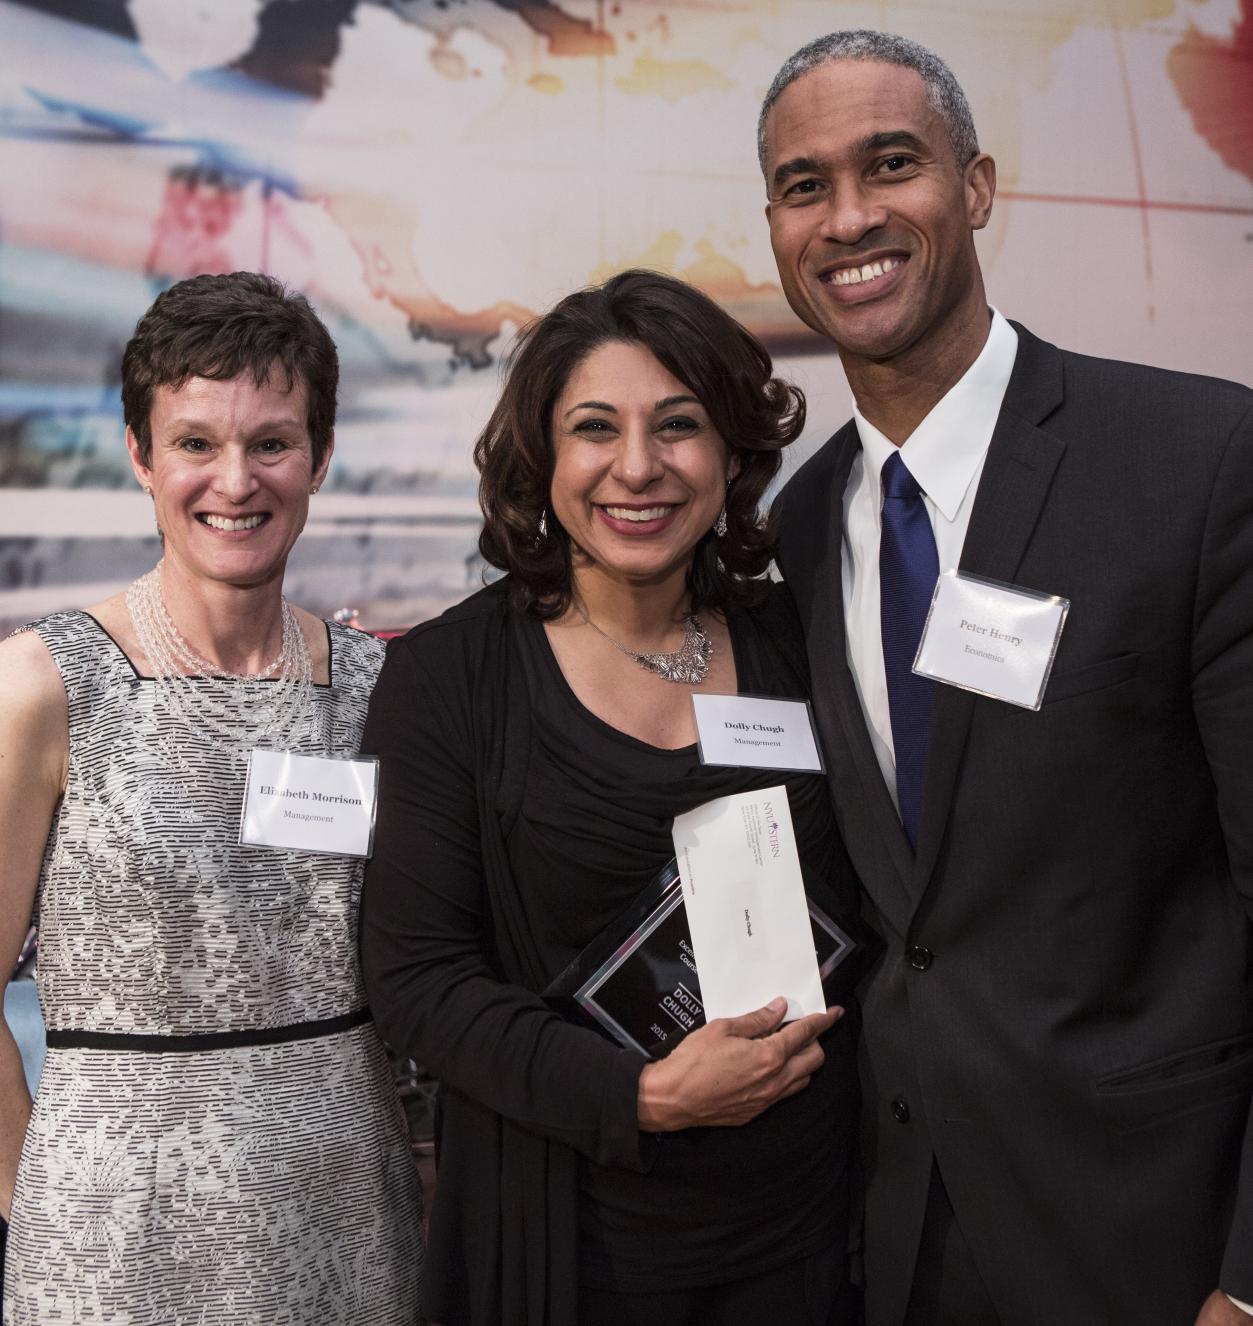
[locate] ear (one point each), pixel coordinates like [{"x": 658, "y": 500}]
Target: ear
[
  {"x": 733, "y": 467},
  {"x": 979, "y": 179},
  {"x": 316, "y": 479},
  {"x": 142, "y": 472}
]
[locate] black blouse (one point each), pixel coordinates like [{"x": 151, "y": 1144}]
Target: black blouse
[
  {"x": 592, "y": 831},
  {"x": 512, "y": 826}
]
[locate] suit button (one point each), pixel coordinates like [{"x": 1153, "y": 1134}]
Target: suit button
[
  {"x": 920, "y": 958},
  {"x": 900, "y": 1110}
]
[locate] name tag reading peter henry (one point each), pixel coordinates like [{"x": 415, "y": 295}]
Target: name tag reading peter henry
[
  {"x": 309, "y": 803},
  {"x": 994, "y": 639},
  {"x": 759, "y": 732}
]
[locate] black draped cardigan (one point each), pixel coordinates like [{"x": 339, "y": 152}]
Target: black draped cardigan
[{"x": 450, "y": 719}]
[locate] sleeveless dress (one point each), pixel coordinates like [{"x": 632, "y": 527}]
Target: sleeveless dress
[{"x": 216, "y": 1137}]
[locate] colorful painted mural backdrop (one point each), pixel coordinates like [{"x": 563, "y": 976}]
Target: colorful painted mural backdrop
[{"x": 432, "y": 172}]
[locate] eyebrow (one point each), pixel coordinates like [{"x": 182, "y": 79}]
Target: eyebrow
[
  {"x": 875, "y": 142},
  {"x": 190, "y": 424},
  {"x": 664, "y": 404}
]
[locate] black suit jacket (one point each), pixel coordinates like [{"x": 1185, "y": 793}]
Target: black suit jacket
[{"x": 1063, "y": 1017}]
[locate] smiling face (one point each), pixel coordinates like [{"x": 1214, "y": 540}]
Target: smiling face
[
  {"x": 639, "y": 471},
  {"x": 230, "y": 472},
  {"x": 871, "y": 219}
]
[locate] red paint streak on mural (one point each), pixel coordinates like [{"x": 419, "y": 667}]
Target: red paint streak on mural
[
  {"x": 211, "y": 223},
  {"x": 1214, "y": 80},
  {"x": 197, "y": 213}
]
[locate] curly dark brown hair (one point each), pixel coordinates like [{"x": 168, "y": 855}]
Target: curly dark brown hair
[
  {"x": 724, "y": 366},
  {"x": 219, "y": 327}
]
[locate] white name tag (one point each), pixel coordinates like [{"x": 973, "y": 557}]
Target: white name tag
[
  {"x": 309, "y": 803},
  {"x": 993, "y": 639},
  {"x": 756, "y": 731},
  {"x": 746, "y": 905}
]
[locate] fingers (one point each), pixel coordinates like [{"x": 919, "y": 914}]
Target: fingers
[
  {"x": 796, "y": 1035},
  {"x": 760, "y": 1022}
]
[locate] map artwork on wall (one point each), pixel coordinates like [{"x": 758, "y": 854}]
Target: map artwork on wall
[{"x": 433, "y": 173}]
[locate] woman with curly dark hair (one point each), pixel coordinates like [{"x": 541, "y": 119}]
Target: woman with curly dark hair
[{"x": 537, "y": 741}]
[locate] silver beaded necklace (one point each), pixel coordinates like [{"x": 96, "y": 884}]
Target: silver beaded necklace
[
  {"x": 255, "y": 707},
  {"x": 688, "y": 665}
]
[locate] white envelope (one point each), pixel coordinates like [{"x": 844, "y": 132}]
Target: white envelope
[{"x": 746, "y": 905}]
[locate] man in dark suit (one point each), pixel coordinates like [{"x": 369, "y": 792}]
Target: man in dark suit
[{"x": 1058, "y": 1043}]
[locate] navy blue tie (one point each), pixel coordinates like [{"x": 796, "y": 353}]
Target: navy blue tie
[{"x": 908, "y": 569}]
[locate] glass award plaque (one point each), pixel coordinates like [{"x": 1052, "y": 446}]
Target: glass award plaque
[{"x": 637, "y": 981}]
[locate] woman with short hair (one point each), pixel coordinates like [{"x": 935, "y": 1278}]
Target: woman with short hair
[{"x": 216, "y": 1136}]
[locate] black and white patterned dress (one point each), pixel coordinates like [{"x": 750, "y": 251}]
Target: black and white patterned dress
[{"x": 216, "y": 1137}]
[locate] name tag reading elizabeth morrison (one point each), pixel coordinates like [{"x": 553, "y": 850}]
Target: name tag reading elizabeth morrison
[{"x": 309, "y": 803}]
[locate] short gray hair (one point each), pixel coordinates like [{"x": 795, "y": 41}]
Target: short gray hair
[{"x": 943, "y": 90}]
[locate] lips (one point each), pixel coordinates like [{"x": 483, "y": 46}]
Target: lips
[
  {"x": 232, "y": 525},
  {"x": 638, "y": 520},
  {"x": 858, "y": 281}
]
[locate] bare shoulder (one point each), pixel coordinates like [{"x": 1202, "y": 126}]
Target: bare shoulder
[
  {"x": 314, "y": 631},
  {"x": 33, "y": 706},
  {"x": 115, "y": 617}
]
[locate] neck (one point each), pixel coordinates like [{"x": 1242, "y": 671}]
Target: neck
[
  {"x": 237, "y": 628},
  {"x": 897, "y": 394},
  {"x": 640, "y": 614}
]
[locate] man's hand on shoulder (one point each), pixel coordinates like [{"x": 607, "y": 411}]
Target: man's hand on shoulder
[{"x": 1219, "y": 1310}]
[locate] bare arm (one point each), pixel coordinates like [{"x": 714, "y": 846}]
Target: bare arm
[{"x": 34, "y": 756}]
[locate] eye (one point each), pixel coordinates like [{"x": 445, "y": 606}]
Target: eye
[
  {"x": 597, "y": 429},
  {"x": 272, "y": 446},
  {"x": 679, "y": 425},
  {"x": 799, "y": 190},
  {"x": 895, "y": 164},
  {"x": 197, "y": 446}
]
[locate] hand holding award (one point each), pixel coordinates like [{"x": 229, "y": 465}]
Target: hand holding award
[{"x": 727, "y": 1072}]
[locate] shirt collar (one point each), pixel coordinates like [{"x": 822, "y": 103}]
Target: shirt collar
[{"x": 946, "y": 450}]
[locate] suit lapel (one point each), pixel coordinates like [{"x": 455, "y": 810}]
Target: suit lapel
[
  {"x": 1017, "y": 474},
  {"x": 832, "y": 676}
]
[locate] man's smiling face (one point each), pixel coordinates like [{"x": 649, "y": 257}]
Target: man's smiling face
[{"x": 871, "y": 218}]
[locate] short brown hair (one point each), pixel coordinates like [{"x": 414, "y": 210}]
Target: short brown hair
[
  {"x": 727, "y": 369},
  {"x": 222, "y": 326}
]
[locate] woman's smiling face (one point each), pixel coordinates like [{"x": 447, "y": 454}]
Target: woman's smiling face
[
  {"x": 639, "y": 472},
  {"x": 230, "y": 470}
]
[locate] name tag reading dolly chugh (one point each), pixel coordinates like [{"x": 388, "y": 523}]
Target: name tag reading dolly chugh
[
  {"x": 756, "y": 732},
  {"x": 994, "y": 639},
  {"x": 309, "y": 803}
]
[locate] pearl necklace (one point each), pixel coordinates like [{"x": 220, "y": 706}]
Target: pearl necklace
[
  {"x": 251, "y": 709},
  {"x": 688, "y": 665}
]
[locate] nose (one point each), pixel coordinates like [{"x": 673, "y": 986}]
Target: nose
[
  {"x": 234, "y": 478},
  {"x": 637, "y": 458},
  {"x": 853, "y": 211}
]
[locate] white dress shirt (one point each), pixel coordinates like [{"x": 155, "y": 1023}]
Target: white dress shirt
[{"x": 945, "y": 454}]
